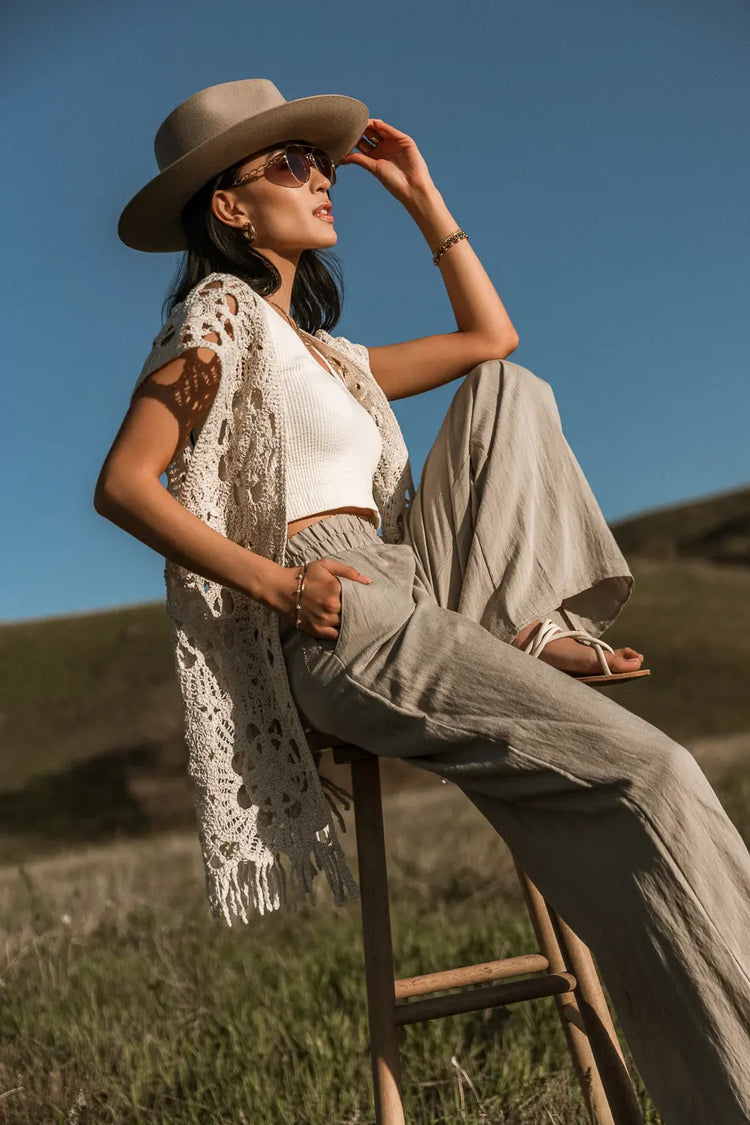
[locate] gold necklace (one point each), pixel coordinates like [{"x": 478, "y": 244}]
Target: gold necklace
[
  {"x": 290, "y": 321},
  {"x": 287, "y": 317}
]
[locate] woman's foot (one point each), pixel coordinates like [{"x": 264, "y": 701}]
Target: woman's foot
[{"x": 569, "y": 655}]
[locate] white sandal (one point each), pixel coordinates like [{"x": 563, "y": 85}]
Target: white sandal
[{"x": 551, "y": 631}]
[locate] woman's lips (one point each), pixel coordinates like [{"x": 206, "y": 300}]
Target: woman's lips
[{"x": 327, "y": 216}]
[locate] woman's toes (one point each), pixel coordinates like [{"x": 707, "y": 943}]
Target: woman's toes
[{"x": 628, "y": 657}]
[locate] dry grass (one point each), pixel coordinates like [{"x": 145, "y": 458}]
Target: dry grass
[{"x": 125, "y": 1002}]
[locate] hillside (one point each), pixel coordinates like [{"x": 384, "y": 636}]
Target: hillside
[
  {"x": 714, "y": 528},
  {"x": 91, "y": 719}
]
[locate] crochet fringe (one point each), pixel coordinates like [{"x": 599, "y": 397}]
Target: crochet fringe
[{"x": 238, "y": 889}]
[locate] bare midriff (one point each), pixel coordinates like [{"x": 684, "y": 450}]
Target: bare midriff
[{"x": 305, "y": 521}]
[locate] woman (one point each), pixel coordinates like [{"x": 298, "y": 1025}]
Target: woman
[{"x": 446, "y": 640}]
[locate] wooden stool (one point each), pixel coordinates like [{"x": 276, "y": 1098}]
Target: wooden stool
[{"x": 564, "y": 966}]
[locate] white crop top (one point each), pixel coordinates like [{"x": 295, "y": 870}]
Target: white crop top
[{"x": 333, "y": 445}]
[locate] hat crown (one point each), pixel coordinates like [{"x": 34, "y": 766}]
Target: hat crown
[{"x": 210, "y": 112}]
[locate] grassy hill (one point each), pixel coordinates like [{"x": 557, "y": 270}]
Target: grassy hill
[
  {"x": 91, "y": 718},
  {"x": 125, "y": 1001},
  {"x": 714, "y": 528}
]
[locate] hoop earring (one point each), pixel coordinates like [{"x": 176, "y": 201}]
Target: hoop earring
[{"x": 249, "y": 232}]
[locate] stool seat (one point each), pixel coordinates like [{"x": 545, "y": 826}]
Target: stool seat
[{"x": 563, "y": 966}]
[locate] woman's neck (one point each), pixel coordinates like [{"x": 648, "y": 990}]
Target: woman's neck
[{"x": 287, "y": 268}]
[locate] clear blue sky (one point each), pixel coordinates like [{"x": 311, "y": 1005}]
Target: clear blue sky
[{"x": 595, "y": 151}]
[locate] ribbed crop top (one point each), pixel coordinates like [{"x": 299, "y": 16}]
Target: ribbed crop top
[{"x": 333, "y": 444}]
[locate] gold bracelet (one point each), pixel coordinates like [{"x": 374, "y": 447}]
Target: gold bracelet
[
  {"x": 301, "y": 578},
  {"x": 447, "y": 242}
]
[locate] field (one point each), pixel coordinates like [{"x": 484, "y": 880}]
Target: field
[{"x": 123, "y": 1001}]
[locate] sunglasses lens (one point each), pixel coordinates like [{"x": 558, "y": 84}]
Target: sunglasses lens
[
  {"x": 289, "y": 169},
  {"x": 292, "y": 169},
  {"x": 324, "y": 164}
]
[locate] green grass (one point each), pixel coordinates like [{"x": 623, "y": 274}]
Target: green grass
[
  {"x": 157, "y": 1018},
  {"x": 125, "y": 1002}
]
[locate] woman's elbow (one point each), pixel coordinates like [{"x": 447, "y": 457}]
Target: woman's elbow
[
  {"x": 102, "y": 498},
  {"x": 512, "y": 343},
  {"x": 111, "y": 494},
  {"x": 502, "y": 347}
]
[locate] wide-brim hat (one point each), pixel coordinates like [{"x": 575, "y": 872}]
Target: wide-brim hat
[{"x": 216, "y": 128}]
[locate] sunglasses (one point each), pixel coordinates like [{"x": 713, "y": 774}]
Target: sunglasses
[{"x": 291, "y": 167}]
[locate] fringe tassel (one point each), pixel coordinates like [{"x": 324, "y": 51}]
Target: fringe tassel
[
  {"x": 336, "y": 796},
  {"x": 239, "y": 889}
]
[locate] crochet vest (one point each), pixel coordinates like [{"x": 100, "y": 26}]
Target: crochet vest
[{"x": 264, "y": 822}]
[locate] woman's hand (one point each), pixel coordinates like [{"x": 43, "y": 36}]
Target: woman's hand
[
  {"x": 320, "y": 611},
  {"x": 395, "y": 161}
]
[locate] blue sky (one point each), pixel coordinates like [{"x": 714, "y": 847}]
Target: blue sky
[{"x": 596, "y": 152}]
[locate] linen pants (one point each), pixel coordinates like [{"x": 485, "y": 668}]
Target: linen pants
[{"x": 614, "y": 821}]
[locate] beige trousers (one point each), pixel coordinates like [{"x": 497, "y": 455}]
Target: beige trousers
[{"x": 613, "y": 820}]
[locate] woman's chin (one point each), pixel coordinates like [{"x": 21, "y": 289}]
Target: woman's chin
[{"x": 325, "y": 238}]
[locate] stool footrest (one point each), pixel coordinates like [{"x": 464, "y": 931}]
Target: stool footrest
[
  {"x": 495, "y": 995},
  {"x": 471, "y": 974}
]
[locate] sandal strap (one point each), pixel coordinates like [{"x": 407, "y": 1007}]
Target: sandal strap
[
  {"x": 549, "y": 630},
  {"x": 546, "y": 631}
]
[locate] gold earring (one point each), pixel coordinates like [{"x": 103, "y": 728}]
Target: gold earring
[{"x": 249, "y": 232}]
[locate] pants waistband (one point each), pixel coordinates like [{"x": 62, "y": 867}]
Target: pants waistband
[{"x": 327, "y": 535}]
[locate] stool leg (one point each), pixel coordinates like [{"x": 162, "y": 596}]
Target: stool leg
[
  {"x": 376, "y": 936},
  {"x": 598, "y": 1023},
  {"x": 567, "y": 1006}
]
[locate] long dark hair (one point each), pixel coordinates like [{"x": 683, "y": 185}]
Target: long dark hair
[{"x": 214, "y": 247}]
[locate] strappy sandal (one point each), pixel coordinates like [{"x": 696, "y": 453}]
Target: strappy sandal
[{"x": 551, "y": 631}]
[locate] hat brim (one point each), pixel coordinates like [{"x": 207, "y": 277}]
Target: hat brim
[{"x": 151, "y": 220}]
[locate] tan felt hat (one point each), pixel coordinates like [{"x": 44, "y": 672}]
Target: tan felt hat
[{"x": 216, "y": 128}]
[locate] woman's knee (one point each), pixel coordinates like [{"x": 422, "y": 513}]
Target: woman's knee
[
  {"x": 669, "y": 775},
  {"x": 504, "y": 374}
]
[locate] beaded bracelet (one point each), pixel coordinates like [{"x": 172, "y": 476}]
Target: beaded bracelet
[
  {"x": 447, "y": 242},
  {"x": 300, "y": 587}
]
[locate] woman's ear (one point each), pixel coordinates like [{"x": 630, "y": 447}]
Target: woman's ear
[{"x": 227, "y": 208}]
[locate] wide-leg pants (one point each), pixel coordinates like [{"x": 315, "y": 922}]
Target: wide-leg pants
[{"x": 614, "y": 821}]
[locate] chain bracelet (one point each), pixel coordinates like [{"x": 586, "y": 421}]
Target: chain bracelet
[
  {"x": 448, "y": 241},
  {"x": 300, "y": 587}
]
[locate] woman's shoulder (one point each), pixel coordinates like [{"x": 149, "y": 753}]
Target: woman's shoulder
[
  {"x": 221, "y": 304},
  {"x": 357, "y": 353},
  {"x": 222, "y": 288},
  {"x": 218, "y": 313}
]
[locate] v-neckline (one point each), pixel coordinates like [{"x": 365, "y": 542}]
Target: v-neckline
[{"x": 327, "y": 368}]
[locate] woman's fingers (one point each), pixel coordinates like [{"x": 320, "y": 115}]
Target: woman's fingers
[
  {"x": 359, "y": 158},
  {"x": 379, "y": 125},
  {"x": 342, "y": 570},
  {"x": 353, "y": 573},
  {"x": 322, "y": 600}
]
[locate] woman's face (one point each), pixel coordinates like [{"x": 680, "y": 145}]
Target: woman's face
[{"x": 283, "y": 217}]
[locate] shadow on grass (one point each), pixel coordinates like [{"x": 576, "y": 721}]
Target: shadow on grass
[{"x": 124, "y": 793}]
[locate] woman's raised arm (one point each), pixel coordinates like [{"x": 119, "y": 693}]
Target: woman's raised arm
[{"x": 484, "y": 328}]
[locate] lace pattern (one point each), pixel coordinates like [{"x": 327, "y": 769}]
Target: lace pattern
[{"x": 265, "y": 823}]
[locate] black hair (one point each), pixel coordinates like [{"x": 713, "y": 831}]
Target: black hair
[{"x": 215, "y": 247}]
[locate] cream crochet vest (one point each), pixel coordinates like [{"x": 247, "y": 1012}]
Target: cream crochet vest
[{"x": 265, "y": 824}]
